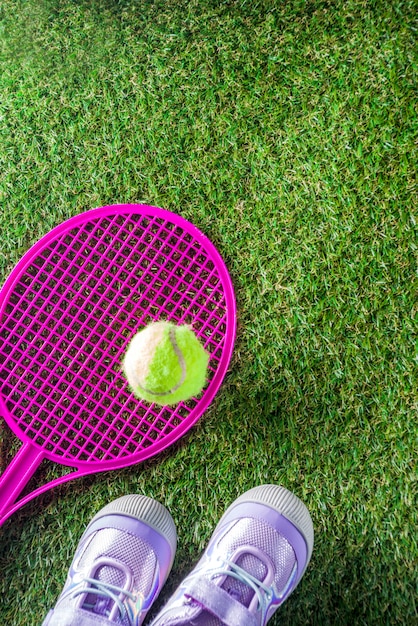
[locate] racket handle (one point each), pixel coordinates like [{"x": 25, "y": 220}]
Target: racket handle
[{"x": 17, "y": 475}]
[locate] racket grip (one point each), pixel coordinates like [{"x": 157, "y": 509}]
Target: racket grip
[{"x": 17, "y": 475}]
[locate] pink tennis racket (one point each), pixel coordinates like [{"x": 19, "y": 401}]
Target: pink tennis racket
[{"x": 67, "y": 313}]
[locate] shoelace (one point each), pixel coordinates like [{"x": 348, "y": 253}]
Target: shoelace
[
  {"x": 107, "y": 591},
  {"x": 262, "y": 591}
]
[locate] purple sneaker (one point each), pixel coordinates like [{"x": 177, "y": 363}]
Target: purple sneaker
[
  {"x": 120, "y": 565},
  {"x": 254, "y": 560}
]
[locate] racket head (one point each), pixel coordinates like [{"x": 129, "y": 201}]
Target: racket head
[{"x": 67, "y": 313}]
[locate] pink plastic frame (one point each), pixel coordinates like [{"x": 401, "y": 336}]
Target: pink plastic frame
[{"x": 67, "y": 313}]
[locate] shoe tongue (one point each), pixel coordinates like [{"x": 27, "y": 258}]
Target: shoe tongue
[
  {"x": 108, "y": 573},
  {"x": 238, "y": 589},
  {"x": 253, "y": 564}
]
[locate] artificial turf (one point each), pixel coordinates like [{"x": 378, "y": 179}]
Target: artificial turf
[{"x": 287, "y": 132}]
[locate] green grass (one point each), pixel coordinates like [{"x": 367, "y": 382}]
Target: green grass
[{"x": 287, "y": 132}]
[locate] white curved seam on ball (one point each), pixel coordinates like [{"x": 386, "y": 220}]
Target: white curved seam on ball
[{"x": 182, "y": 363}]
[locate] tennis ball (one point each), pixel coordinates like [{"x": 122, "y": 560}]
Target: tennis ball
[{"x": 166, "y": 363}]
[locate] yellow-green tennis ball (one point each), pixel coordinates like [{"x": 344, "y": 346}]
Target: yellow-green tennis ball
[{"x": 166, "y": 364}]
